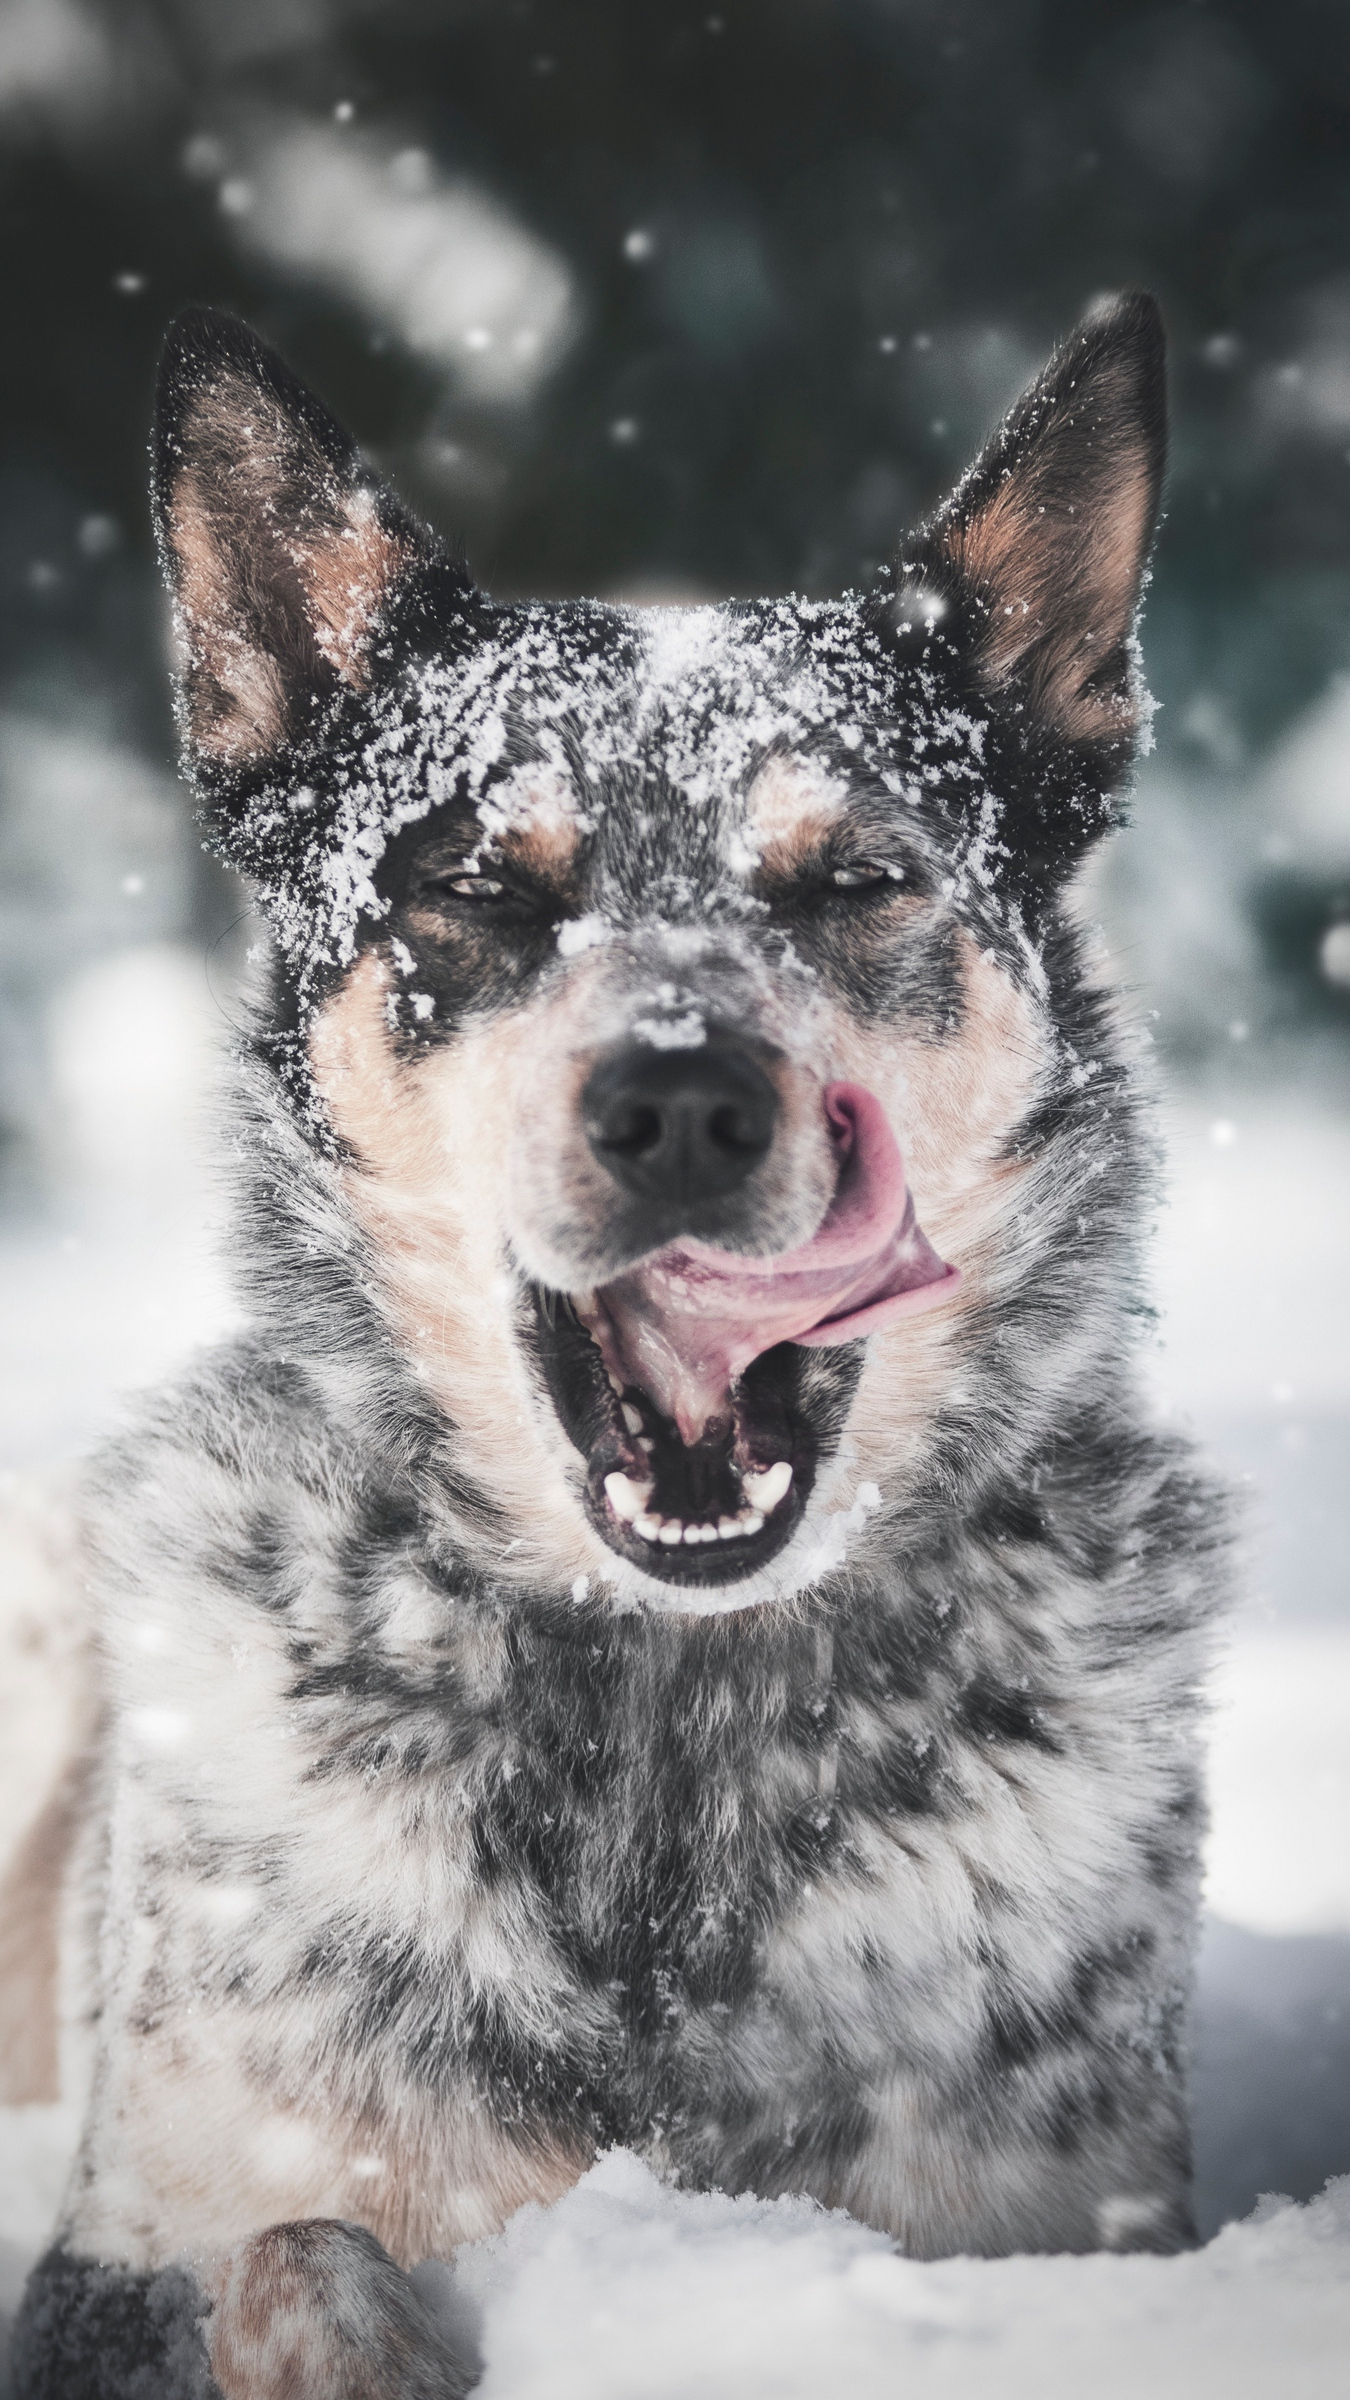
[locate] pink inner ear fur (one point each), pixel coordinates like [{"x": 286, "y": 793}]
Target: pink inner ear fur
[
  {"x": 1057, "y": 560},
  {"x": 275, "y": 559},
  {"x": 236, "y": 699}
]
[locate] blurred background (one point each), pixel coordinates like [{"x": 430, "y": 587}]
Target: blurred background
[{"x": 668, "y": 302}]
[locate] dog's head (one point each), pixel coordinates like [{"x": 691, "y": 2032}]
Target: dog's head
[{"x": 668, "y": 988}]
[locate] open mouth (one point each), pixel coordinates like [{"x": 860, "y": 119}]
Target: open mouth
[{"x": 685, "y": 1382}]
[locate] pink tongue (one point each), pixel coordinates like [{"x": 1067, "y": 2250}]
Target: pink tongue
[{"x": 683, "y": 1325}]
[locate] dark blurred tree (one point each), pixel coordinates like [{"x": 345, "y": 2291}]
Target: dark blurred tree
[{"x": 815, "y": 246}]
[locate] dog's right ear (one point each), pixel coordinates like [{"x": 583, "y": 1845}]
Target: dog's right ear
[
  {"x": 1046, "y": 540},
  {"x": 282, "y": 549}
]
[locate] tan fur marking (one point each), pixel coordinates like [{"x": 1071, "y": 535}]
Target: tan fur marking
[
  {"x": 535, "y": 818},
  {"x": 435, "y": 1140},
  {"x": 547, "y": 845},
  {"x": 792, "y": 808}
]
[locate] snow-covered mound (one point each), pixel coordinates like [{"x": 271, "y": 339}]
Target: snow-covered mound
[{"x": 624, "y": 2288}]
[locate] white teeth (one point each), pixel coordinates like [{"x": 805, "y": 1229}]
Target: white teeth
[
  {"x": 626, "y": 1498},
  {"x": 671, "y": 1530},
  {"x": 632, "y": 1417},
  {"x": 767, "y": 1489}
]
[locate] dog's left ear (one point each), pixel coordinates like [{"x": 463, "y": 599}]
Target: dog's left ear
[
  {"x": 281, "y": 547},
  {"x": 1046, "y": 539}
]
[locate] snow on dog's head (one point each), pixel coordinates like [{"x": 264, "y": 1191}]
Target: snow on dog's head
[{"x": 680, "y": 998}]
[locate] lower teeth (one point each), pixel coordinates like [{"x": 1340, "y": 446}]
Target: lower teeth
[
  {"x": 671, "y": 1531},
  {"x": 767, "y": 1487}
]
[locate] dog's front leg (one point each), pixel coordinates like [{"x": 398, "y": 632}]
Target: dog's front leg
[
  {"x": 311, "y": 2311},
  {"x": 319, "y": 2311}
]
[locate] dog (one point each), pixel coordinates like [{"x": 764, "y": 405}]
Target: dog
[{"x": 672, "y": 1627}]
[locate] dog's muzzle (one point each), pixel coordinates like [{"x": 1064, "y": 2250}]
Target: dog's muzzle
[{"x": 676, "y": 1377}]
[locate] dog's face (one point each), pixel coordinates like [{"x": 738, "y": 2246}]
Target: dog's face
[{"x": 668, "y": 979}]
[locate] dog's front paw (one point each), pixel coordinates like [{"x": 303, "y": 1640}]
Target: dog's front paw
[{"x": 319, "y": 2311}]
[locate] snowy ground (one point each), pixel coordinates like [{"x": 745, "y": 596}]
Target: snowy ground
[
  {"x": 624, "y": 2288},
  {"x": 644, "y": 2292}
]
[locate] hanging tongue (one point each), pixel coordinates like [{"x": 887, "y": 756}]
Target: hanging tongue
[{"x": 683, "y": 1325}]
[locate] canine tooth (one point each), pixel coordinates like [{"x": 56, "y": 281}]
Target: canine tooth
[
  {"x": 649, "y": 1528},
  {"x": 766, "y": 1490},
  {"x": 671, "y": 1532},
  {"x": 626, "y": 1498},
  {"x": 632, "y": 1417}
]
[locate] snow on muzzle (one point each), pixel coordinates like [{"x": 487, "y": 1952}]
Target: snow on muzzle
[{"x": 685, "y": 1324}]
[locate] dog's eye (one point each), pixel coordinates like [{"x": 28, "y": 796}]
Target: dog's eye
[
  {"x": 865, "y": 875},
  {"x": 472, "y": 887},
  {"x": 465, "y": 887},
  {"x": 458, "y": 889}
]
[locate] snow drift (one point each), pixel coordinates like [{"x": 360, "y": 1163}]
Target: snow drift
[{"x": 625, "y": 2290}]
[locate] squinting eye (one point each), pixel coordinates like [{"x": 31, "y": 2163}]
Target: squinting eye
[
  {"x": 864, "y": 877},
  {"x": 470, "y": 887}
]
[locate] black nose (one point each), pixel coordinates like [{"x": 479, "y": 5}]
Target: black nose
[{"x": 679, "y": 1125}]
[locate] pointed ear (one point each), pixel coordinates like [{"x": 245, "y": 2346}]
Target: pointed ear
[
  {"x": 281, "y": 548},
  {"x": 1047, "y": 537}
]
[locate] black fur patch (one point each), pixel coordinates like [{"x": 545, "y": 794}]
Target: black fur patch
[{"x": 90, "y": 2332}]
